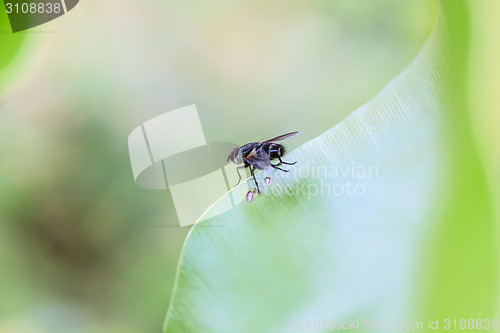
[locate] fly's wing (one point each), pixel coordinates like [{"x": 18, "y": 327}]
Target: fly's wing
[
  {"x": 258, "y": 158},
  {"x": 282, "y": 137}
]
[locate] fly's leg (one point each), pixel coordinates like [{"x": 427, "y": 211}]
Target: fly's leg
[
  {"x": 278, "y": 168},
  {"x": 279, "y": 158},
  {"x": 238, "y": 171},
  {"x": 254, "y": 179}
]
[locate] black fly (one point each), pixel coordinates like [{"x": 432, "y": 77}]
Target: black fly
[{"x": 258, "y": 155}]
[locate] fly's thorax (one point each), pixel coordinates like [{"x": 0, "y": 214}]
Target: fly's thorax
[{"x": 247, "y": 149}]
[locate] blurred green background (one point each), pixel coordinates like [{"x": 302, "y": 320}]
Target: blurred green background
[{"x": 82, "y": 248}]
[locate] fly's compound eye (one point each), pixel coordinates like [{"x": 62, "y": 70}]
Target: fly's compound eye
[{"x": 236, "y": 156}]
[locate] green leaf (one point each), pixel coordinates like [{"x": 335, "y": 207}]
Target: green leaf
[{"x": 305, "y": 255}]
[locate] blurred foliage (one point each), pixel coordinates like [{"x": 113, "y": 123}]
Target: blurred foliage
[
  {"x": 9, "y": 43},
  {"x": 82, "y": 248},
  {"x": 483, "y": 83},
  {"x": 463, "y": 249},
  {"x": 73, "y": 227}
]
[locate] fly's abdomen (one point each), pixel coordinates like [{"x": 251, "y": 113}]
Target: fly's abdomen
[{"x": 276, "y": 150}]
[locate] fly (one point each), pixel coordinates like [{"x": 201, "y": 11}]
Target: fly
[{"x": 258, "y": 155}]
